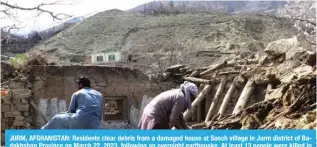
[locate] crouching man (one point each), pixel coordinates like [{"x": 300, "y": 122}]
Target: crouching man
[
  {"x": 165, "y": 111},
  {"x": 85, "y": 109}
]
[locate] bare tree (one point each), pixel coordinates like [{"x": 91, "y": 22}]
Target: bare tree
[
  {"x": 303, "y": 13},
  {"x": 9, "y": 10}
]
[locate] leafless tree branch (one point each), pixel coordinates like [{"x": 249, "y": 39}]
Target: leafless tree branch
[
  {"x": 37, "y": 8},
  {"x": 310, "y": 22}
]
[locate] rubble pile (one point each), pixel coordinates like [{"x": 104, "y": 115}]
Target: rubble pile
[
  {"x": 286, "y": 70},
  {"x": 295, "y": 109}
]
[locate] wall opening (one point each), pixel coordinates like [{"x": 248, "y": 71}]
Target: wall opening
[
  {"x": 112, "y": 58},
  {"x": 99, "y": 58},
  {"x": 115, "y": 108}
]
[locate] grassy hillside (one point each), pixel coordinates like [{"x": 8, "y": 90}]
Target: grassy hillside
[{"x": 156, "y": 37}]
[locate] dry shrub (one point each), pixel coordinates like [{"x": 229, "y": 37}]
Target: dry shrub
[{"x": 35, "y": 58}]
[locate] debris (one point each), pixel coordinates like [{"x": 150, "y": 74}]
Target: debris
[{"x": 287, "y": 90}]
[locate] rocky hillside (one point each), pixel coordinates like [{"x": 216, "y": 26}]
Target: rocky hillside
[
  {"x": 161, "y": 40},
  {"x": 13, "y": 44},
  {"x": 209, "y": 6}
]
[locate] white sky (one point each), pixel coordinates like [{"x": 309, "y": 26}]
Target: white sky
[{"x": 77, "y": 8}]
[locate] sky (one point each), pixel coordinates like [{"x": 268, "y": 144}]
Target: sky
[{"x": 28, "y": 20}]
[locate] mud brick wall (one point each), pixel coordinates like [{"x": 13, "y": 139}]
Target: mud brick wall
[{"x": 58, "y": 83}]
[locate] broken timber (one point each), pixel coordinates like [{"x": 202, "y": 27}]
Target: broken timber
[
  {"x": 244, "y": 97},
  {"x": 216, "y": 99}
]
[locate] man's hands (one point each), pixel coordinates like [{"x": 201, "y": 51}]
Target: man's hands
[{"x": 187, "y": 128}]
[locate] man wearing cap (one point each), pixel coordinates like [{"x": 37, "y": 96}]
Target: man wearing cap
[
  {"x": 165, "y": 111},
  {"x": 85, "y": 109}
]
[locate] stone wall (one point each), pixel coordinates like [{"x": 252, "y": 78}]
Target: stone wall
[{"x": 15, "y": 108}]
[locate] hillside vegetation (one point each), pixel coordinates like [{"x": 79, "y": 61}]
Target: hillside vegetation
[{"x": 161, "y": 40}]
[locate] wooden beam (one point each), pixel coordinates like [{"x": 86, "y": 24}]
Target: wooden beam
[
  {"x": 226, "y": 100},
  {"x": 244, "y": 97},
  {"x": 198, "y": 100},
  {"x": 39, "y": 111},
  {"x": 217, "y": 66},
  {"x": 197, "y": 80},
  {"x": 216, "y": 99},
  {"x": 174, "y": 68},
  {"x": 229, "y": 72}
]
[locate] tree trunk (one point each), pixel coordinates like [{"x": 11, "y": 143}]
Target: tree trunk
[
  {"x": 226, "y": 100},
  {"x": 216, "y": 99},
  {"x": 244, "y": 97},
  {"x": 198, "y": 100}
]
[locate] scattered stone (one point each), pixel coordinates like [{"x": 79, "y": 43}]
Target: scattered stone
[
  {"x": 29, "y": 85},
  {"x": 23, "y": 79},
  {"x": 16, "y": 85},
  {"x": 24, "y": 101},
  {"x": 21, "y": 93},
  {"x": 25, "y": 114},
  {"x": 5, "y": 108},
  {"x": 279, "y": 47},
  {"x": 18, "y": 123},
  {"x": 22, "y": 107}
]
